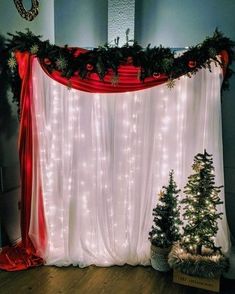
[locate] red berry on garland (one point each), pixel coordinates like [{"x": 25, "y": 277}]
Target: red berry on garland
[
  {"x": 47, "y": 61},
  {"x": 192, "y": 63},
  {"x": 129, "y": 60},
  {"x": 89, "y": 67},
  {"x": 156, "y": 75}
]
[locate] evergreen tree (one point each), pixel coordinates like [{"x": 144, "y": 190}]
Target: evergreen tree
[
  {"x": 165, "y": 230},
  {"x": 202, "y": 197}
]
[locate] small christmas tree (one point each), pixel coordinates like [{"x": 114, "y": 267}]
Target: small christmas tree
[
  {"x": 202, "y": 197},
  {"x": 165, "y": 230}
]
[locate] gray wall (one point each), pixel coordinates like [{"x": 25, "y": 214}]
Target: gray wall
[
  {"x": 121, "y": 16},
  {"x": 81, "y": 23},
  {"x": 11, "y": 21},
  {"x": 180, "y": 23}
]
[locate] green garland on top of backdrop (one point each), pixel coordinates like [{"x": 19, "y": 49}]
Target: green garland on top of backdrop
[{"x": 152, "y": 62}]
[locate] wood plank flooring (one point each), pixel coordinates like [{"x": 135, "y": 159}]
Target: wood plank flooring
[{"x": 96, "y": 280}]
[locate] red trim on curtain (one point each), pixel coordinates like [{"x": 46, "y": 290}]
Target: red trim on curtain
[
  {"x": 225, "y": 60},
  {"x": 127, "y": 81},
  {"x": 24, "y": 255}
]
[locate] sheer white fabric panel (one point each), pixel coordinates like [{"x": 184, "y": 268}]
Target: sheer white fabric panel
[{"x": 103, "y": 158}]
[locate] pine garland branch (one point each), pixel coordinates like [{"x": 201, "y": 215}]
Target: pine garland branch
[{"x": 152, "y": 61}]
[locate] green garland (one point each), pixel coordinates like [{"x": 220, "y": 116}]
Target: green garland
[
  {"x": 8, "y": 79},
  {"x": 151, "y": 61}
]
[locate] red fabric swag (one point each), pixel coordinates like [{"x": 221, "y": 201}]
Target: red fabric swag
[
  {"x": 127, "y": 79},
  {"x": 24, "y": 254}
]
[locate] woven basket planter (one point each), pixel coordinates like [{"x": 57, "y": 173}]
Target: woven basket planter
[{"x": 159, "y": 258}]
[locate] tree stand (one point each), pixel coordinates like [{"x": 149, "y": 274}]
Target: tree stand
[{"x": 159, "y": 258}]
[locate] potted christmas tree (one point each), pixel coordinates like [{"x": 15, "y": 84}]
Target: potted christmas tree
[
  {"x": 165, "y": 228},
  {"x": 197, "y": 254}
]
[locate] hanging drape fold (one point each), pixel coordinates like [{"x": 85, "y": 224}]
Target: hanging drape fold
[
  {"x": 24, "y": 255},
  {"x": 126, "y": 81}
]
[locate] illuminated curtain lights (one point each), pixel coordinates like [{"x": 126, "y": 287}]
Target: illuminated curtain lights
[{"x": 104, "y": 157}]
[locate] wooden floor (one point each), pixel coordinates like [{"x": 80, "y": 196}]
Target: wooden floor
[{"x": 126, "y": 279}]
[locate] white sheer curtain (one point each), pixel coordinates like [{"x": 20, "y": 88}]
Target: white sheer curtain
[{"x": 102, "y": 159}]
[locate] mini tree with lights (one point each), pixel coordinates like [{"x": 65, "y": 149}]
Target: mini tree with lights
[
  {"x": 165, "y": 228},
  {"x": 197, "y": 253}
]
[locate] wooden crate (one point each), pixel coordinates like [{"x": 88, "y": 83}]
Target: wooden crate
[{"x": 197, "y": 282}]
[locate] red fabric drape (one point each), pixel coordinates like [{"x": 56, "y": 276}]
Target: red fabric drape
[
  {"x": 127, "y": 81},
  {"x": 127, "y": 78},
  {"x": 25, "y": 146},
  {"x": 225, "y": 60},
  {"x": 24, "y": 254}
]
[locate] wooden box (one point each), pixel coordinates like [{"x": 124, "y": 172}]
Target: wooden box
[{"x": 197, "y": 282}]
